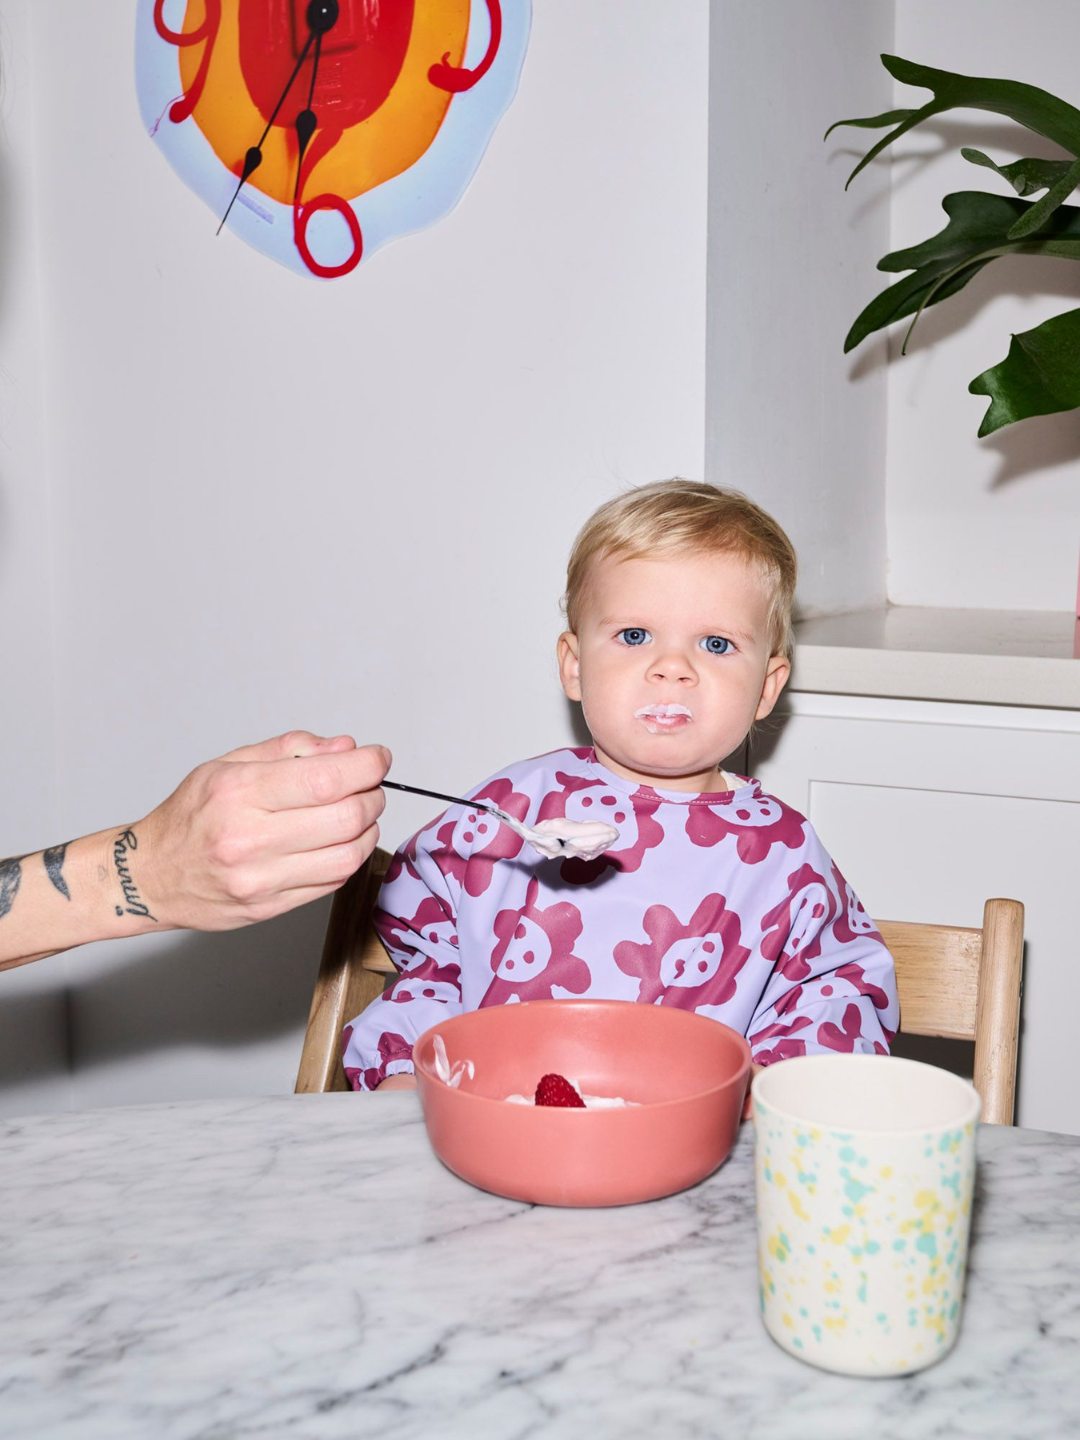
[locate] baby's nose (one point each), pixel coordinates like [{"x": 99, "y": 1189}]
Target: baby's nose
[{"x": 675, "y": 669}]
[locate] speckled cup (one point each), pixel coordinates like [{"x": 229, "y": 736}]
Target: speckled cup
[{"x": 865, "y": 1167}]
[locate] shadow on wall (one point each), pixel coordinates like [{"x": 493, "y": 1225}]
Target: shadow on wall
[
  {"x": 223, "y": 990},
  {"x": 26, "y": 1015},
  {"x": 765, "y": 735},
  {"x": 1031, "y": 446},
  {"x": 8, "y": 384},
  {"x": 577, "y": 722},
  {"x": 9, "y": 201}
]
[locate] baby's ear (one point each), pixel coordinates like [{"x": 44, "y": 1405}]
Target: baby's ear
[
  {"x": 776, "y": 675},
  {"x": 569, "y": 665}
]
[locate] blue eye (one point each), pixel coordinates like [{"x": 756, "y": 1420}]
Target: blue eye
[
  {"x": 716, "y": 645},
  {"x": 634, "y": 635}
]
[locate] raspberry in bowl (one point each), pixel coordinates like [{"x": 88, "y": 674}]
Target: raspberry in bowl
[{"x": 683, "y": 1077}]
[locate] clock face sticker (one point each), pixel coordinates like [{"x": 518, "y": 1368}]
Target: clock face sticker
[{"x": 318, "y": 130}]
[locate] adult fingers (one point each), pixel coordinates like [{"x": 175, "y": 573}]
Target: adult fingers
[
  {"x": 287, "y": 900},
  {"x": 295, "y": 784},
  {"x": 289, "y": 832},
  {"x": 260, "y": 886},
  {"x": 293, "y": 742}
]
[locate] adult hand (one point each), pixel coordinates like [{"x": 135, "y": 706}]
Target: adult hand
[{"x": 260, "y": 831}]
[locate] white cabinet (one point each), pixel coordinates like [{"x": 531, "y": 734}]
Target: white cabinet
[{"x": 931, "y": 807}]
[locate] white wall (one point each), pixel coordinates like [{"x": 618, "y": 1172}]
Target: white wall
[
  {"x": 33, "y": 1027},
  {"x": 344, "y": 506},
  {"x": 790, "y": 256},
  {"x": 978, "y": 523}
]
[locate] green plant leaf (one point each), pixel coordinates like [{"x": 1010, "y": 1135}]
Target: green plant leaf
[
  {"x": 1040, "y": 212},
  {"x": 1025, "y": 176},
  {"x": 1039, "y": 376},
  {"x": 1036, "y": 109},
  {"x": 872, "y": 122},
  {"x": 977, "y": 233}
]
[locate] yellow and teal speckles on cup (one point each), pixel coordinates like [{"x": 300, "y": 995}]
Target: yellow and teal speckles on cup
[{"x": 865, "y": 1167}]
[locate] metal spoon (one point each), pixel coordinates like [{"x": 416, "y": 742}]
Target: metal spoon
[
  {"x": 540, "y": 840},
  {"x": 518, "y": 828}
]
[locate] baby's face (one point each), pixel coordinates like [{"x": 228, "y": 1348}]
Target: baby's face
[{"x": 671, "y": 664}]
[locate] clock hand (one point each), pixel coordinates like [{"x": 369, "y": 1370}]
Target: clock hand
[
  {"x": 322, "y": 15},
  {"x": 253, "y": 158},
  {"x": 306, "y": 120}
]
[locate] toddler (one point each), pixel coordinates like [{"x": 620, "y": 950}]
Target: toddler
[{"x": 716, "y": 897}]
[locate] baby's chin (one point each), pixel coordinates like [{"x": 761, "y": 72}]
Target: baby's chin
[{"x": 650, "y": 765}]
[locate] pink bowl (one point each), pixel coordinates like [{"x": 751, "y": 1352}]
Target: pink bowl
[{"x": 687, "y": 1073}]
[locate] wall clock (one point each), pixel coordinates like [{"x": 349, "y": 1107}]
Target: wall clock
[{"x": 318, "y": 130}]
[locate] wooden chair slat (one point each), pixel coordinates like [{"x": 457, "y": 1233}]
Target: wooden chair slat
[
  {"x": 937, "y": 977},
  {"x": 345, "y": 984}
]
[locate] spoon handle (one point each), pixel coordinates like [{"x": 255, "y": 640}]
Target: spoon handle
[{"x": 438, "y": 795}]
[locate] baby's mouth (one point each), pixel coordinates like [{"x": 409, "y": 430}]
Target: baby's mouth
[{"x": 658, "y": 719}]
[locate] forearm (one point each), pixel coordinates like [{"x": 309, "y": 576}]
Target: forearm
[{"x": 89, "y": 889}]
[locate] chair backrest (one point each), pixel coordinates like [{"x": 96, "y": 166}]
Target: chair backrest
[
  {"x": 965, "y": 984},
  {"x": 352, "y": 973},
  {"x": 959, "y": 983}
]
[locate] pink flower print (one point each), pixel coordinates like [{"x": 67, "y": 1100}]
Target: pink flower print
[
  {"x": 402, "y": 862},
  {"x": 844, "y": 1039},
  {"x": 794, "y": 928},
  {"x": 786, "y": 1045},
  {"x": 789, "y": 1000},
  {"x": 432, "y": 923},
  {"x": 855, "y": 975},
  {"x": 758, "y": 822},
  {"x": 581, "y": 798},
  {"x": 476, "y": 841},
  {"x": 853, "y": 923},
  {"x": 425, "y": 981},
  {"x": 391, "y": 1047},
  {"x": 686, "y": 965},
  {"x": 535, "y": 952}
]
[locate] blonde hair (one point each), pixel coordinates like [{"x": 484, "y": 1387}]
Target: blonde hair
[{"x": 673, "y": 516}]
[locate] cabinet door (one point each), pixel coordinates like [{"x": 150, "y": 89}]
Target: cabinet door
[{"x": 929, "y": 809}]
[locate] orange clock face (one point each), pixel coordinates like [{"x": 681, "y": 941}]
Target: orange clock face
[{"x": 299, "y": 119}]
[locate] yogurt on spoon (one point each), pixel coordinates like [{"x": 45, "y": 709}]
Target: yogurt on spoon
[{"x": 559, "y": 838}]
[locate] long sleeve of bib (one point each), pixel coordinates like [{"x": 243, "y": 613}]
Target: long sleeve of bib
[
  {"x": 832, "y": 985},
  {"x": 417, "y": 923}
]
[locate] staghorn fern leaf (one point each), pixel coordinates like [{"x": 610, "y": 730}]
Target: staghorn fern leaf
[
  {"x": 1037, "y": 109},
  {"x": 1041, "y": 373},
  {"x": 1041, "y": 211},
  {"x": 1027, "y": 177},
  {"x": 977, "y": 232},
  {"x": 872, "y": 122},
  {"x": 1039, "y": 376}
]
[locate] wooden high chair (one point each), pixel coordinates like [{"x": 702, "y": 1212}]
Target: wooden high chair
[
  {"x": 353, "y": 972},
  {"x": 955, "y": 983},
  {"x": 963, "y": 984}
]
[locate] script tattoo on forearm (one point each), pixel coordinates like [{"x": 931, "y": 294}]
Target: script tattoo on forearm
[
  {"x": 124, "y": 844},
  {"x": 54, "y": 866},
  {"x": 10, "y": 880}
]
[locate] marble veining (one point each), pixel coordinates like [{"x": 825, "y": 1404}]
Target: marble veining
[{"x": 304, "y": 1266}]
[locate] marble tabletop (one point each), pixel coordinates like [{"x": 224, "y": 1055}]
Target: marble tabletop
[{"x": 304, "y": 1266}]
